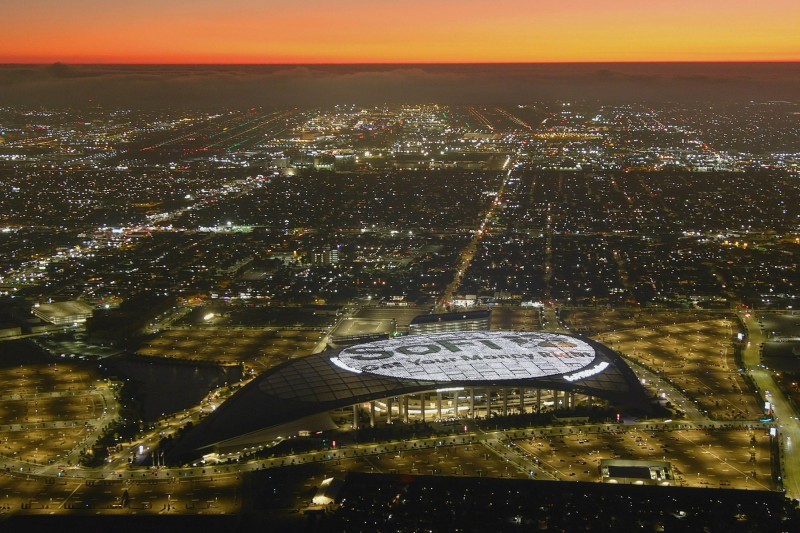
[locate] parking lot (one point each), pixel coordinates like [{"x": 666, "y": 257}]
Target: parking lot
[
  {"x": 736, "y": 458},
  {"x": 598, "y": 320},
  {"x": 259, "y": 349},
  {"x": 47, "y": 410},
  {"x": 516, "y": 319},
  {"x": 29, "y": 494},
  {"x": 698, "y": 356}
]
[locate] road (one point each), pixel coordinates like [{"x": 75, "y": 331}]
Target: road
[
  {"x": 551, "y": 320},
  {"x": 785, "y": 416},
  {"x": 469, "y": 250}
]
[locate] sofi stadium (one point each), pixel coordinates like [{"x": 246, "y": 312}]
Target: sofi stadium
[{"x": 425, "y": 377}]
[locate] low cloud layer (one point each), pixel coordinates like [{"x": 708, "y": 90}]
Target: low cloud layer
[{"x": 323, "y": 85}]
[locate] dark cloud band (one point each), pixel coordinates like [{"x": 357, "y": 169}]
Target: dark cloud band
[{"x": 315, "y": 85}]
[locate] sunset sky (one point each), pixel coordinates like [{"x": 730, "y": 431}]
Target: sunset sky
[{"x": 389, "y": 31}]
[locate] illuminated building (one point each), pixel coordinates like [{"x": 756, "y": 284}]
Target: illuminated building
[
  {"x": 63, "y": 313},
  {"x": 426, "y": 378},
  {"x": 326, "y": 256},
  {"x": 641, "y": 472},
  {"x": 464, "y": 321}
]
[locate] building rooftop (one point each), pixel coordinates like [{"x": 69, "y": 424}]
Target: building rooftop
[
  {"x": 61, "y": 311},
  {"x": 449, "y": 317},
  {"x": 314, "y": 385}
]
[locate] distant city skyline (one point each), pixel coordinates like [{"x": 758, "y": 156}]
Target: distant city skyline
[{"x": 356, "y": 31}]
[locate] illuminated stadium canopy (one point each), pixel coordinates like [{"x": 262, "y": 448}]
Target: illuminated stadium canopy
[
  {"x": 470, "y": 356},
  {"x": 299, "y": 394}
]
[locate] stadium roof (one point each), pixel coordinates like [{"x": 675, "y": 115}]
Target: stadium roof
[{"x": 404, "y": 365}]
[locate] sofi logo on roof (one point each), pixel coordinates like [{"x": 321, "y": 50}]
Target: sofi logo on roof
[{"x": 471, "y": 356}]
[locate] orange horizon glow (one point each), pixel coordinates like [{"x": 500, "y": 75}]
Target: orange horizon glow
[{"x": 416, "y": 31}]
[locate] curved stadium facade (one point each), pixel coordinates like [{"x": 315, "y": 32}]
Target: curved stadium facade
[{"x": 423, "y": 377}]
